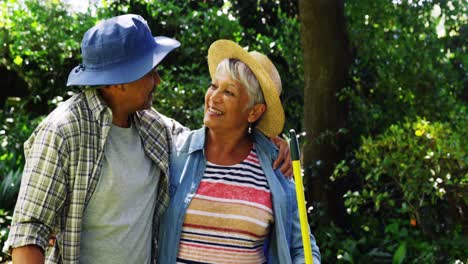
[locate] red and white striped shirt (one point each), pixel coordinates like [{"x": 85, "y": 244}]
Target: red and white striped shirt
[{"x": 229, "y": 217}]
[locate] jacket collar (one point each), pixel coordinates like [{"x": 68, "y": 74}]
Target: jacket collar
[
  {"x": 198, "y": 140},
  {"x": 261, "y": 141}
]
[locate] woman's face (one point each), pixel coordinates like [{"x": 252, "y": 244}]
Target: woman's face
[{"x": 225, "y": 105}]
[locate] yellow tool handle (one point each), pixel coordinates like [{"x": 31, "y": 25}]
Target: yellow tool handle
[{"x": 302, "y": 211}]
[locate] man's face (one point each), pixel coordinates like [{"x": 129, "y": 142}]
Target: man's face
[{"x": 140, "y": 92}]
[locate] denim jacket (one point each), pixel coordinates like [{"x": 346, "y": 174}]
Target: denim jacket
[{"x": 187, "y": 167}]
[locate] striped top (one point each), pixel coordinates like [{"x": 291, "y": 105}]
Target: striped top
[{"x": 229, "y": 217}]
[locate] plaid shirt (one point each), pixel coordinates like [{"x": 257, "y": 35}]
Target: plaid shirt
[{"x": 63, "y": 164}]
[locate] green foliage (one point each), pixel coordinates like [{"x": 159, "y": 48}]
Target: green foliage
[
  {"x": 406, "y": 169},
  {"x": 413, "y": 177},
  {"x": 400, "y": 254},
  {"x": 5, "y": 220},
  {"x": 41, "y": 44},
  {"x": 9, "y": 189},
  {"x": 404, "y": 65},
  {"x": 420, "y": 160}
]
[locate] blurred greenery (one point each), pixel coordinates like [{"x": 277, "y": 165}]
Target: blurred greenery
[{"x": 404, "y": 178}]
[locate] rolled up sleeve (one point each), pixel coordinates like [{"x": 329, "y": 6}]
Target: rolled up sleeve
[{"x": 43, "y": 189}]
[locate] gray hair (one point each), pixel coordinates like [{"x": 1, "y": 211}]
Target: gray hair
[{"x": 243, "y": 74}]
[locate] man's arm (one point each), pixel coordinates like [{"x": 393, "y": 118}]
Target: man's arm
[
  {"x": 284, "y": 157},
  {"x": 42, "y": 193},
  {"x": 30, "y": 254}
]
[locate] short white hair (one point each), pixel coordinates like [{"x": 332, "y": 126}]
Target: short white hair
[{"x": 243, "y": 74}]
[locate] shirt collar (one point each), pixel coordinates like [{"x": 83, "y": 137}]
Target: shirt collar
[{"x": 96, "y": 103}]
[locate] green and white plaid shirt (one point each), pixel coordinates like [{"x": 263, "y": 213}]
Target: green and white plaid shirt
[{"x": 63, "y": 164}]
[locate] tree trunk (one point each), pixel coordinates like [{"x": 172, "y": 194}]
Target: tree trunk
[{"x": 326, "y": 61}]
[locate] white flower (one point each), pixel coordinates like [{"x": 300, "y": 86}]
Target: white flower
[
  {"x": 439, "y": 180},
  {"x": 448, "y": 176}
]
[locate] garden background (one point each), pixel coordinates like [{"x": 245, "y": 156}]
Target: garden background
[{"x": 377, "y": 88}]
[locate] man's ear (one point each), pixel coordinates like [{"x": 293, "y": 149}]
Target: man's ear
[
  {"x": 256, "y": 112},
  {"x": 119, "y": 87},
  {"x": 112, "y": 87},
  {"x": 111, "y": 91}
]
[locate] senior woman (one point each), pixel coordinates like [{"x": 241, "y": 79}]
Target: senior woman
[{"x": 228, "y": 205}]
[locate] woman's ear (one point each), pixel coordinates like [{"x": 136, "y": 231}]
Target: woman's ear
[{"x": 256, "y": 112}]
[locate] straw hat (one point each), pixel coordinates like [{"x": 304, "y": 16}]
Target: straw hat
[{"x": 272, "y": 121}]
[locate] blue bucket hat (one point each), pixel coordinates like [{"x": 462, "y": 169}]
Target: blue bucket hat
[{"x": 119, "y": 50}]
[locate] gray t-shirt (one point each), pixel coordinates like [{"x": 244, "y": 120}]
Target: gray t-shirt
[{"x": 117, "y": 224}]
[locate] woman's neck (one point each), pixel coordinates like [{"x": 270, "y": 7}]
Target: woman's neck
[{"x": 227, "y": 148}]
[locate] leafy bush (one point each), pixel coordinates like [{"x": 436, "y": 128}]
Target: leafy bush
[
  {"x": 414, "y": 177},
  {"x": 409, "y": 61},
  {"x": 403, "y": 177},
  {"x": 41, "y": 43},
  {"x": 5, "y": 220}
]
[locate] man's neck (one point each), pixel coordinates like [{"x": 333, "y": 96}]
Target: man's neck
[
  {"x": 120, "y": 116},
  {"x": 121, "y": 121}
]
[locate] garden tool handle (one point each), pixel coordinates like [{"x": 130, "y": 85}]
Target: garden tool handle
[{"x": 294, "y": 145}]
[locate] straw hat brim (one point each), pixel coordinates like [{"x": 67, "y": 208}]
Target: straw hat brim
[{"x": 272, "y": 121}]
